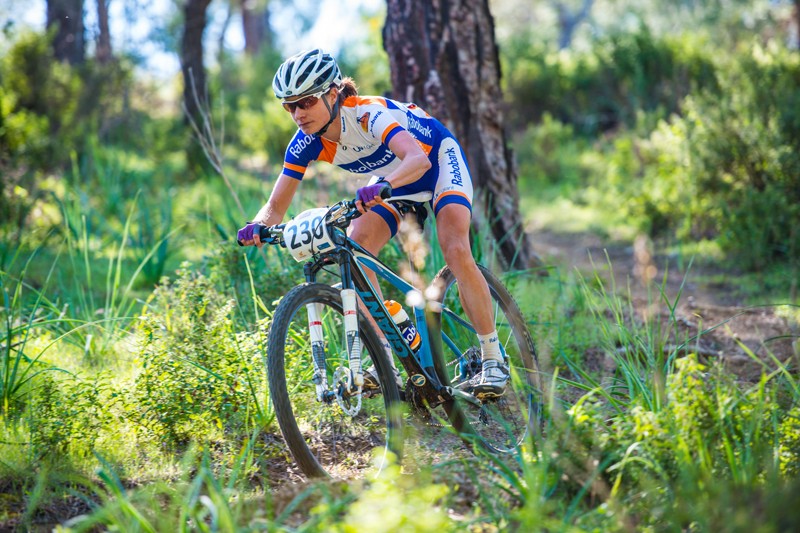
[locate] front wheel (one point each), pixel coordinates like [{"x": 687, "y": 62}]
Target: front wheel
[
  {"x": 500, "y": 424},
  {"x": 324, "y": 439}
]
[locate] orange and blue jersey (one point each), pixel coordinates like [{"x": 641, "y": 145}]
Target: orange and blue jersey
[{"x": 368, "y": 125}]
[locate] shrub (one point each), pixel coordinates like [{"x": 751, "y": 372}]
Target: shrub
[
  {"x": 728, "y": 168},
  {"x": 549, "y": 153},
  {"x": 70, "y": 102},
  {"x": 607, "y": 86},
  {"x": 744, "y": 147},
  {"x": 71, "y": 416},
  {"x": 199, "y": 378}
]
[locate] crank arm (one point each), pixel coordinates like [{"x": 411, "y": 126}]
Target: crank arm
[{"x": 455, "y": 393}]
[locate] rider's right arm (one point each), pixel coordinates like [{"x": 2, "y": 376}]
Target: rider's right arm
[{"x": 275, "y": 209}]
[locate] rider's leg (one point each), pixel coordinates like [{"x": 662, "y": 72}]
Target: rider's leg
[
  {"x": 452, "y": 223},
  {"x": 372, "y": 232}
]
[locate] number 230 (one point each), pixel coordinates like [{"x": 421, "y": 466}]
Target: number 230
[{"x": 307, "y": 231}]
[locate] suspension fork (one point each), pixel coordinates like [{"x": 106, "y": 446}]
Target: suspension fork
[
  {"x": 318, "y": 358},
  {"x": 350, "y": 313},
  {"x": 320, "y": 378}
]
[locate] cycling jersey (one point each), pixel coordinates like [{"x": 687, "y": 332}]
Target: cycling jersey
[{"x": 367, "y": 126}]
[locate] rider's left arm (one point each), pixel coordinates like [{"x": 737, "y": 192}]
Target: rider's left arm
[{"x": 414, "y": 162}]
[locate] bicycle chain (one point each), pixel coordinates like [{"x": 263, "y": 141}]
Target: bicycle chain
[{"x": 465, "y": 354}]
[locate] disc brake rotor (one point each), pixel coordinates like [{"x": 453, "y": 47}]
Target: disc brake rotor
[{"x": 350, "y": 403}]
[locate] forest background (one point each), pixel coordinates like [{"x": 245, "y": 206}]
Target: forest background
[{"x": 132, "y": 388}]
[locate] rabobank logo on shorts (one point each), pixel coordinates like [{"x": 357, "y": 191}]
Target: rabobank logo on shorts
[
  {"x": 299, "y": 144},
  {"x": 455, "y": 167},
  {"x": 370, "y": 163},
  {"x": 418, "y": 126}
]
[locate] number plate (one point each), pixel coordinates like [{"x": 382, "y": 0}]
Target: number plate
[{"x": 306, "y": 234}]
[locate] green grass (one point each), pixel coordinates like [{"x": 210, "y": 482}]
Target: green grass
[{"x": 163, "y": 423}]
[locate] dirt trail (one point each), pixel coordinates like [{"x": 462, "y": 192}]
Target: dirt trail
[{"x": 764, "y": 331}]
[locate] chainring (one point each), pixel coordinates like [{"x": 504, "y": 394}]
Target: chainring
[{"x": 417, "y": 402}]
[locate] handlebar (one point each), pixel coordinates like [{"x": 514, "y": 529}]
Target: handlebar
[
  {"x": 272, "y": 234},
  {"x": 339, "y": 214}
]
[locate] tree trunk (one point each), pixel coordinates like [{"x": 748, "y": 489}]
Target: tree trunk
[
  {"x": 443, "y": 56},
  {"x": 103, "y": 52},
  {"x": 67, "y": 17},
  {"x": 797, "y": 22},
  {"x": 192, "y": 67},
  {"x": 222, "y": 35},
  {"x": 255, "y": 25}
]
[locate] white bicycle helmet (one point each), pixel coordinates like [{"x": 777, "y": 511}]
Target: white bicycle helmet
[{"x": 309, "y": 72}]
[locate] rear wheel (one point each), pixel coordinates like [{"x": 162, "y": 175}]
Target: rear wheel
[
  {"x": 503, "y": 423},
  {"x": 323, "y": 438}
]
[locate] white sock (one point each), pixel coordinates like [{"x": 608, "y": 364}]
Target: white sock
[{"x": 490, "y": 347}]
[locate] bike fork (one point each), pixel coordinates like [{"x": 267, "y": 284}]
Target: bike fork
[
  {"x": 320, "y": 378},
  {"x": 350, "y": 309}
]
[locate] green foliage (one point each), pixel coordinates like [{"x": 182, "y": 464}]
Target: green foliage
[
  {"x": 254, "y": 120},
  {"x": 49, "y": 112},
  {"x": 708, "y": 458},
  {"x": 744, "y": 151},
  {"x": 393, "y": 502},
  {"x": 48, "y": 107},
  {"x": 549, "y": 155},
  {"x": 607, "y": 86},
  {"x": 23, "y": 321},
  {"x": 264, "y": 127},
  {"x": 200, "y": 497},
  {"x": 705, "y": 147},
  {"x": 73, "y": 417},
  {"x": 39, "y": 87},
  {"x": 22, "y": 131},
  {"x": 199, "y": 379},
  {"x": 710, "y": 434},
  {"x": 727, "y": 169}
]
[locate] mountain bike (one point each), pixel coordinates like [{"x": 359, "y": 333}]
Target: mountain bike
[{"x": 320, "y": 342}]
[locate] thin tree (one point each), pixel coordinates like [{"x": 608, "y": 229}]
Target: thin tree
[
  {"x": 797, "y": 22},
  {"x": 444, "y": 57},
  {"x": 65, "y": 18},
  {"x": 255, "y": 25},
  {"x": 103, "y": 52},
  {"x": 192, "y": 65}
]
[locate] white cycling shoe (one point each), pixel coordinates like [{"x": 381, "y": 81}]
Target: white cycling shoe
[{"x": 490, "y": 382}]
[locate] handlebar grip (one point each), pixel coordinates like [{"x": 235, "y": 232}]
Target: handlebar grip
[
  {"x": 385, "y": 193},
  {"x": 386, "y": 190}
]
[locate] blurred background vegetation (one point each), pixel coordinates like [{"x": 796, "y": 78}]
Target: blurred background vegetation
[{"x": 131, "y": 330}]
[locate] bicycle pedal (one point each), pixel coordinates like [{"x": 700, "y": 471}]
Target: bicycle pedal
[
  {"x": 488, "y": 395},
  {"x": 368, "y": 394}
]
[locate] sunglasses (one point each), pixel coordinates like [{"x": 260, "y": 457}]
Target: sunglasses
[{"x": 304, "y": 103}]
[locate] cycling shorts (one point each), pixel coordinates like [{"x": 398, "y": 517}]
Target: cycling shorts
[{"x": 449, "y": 180}]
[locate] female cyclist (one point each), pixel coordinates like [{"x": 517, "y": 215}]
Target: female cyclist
[{"x": 407, "y": 151}]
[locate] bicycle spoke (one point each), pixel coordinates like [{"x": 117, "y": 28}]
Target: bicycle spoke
[
  {"x": 324, "y": 438},
  {"x": 503, "y": 423}
]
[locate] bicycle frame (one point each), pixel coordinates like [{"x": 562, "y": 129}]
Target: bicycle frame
[{"x": 352, "y": 259}]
